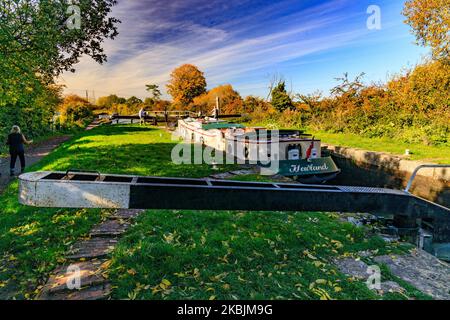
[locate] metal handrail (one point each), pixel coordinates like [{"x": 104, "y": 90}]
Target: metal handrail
[{"x": 413, "y": 176}]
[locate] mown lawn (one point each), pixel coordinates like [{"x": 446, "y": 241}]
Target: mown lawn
[
  {"x": 434, "y": 154},
  {"x": 181, "y": 254},
  {"x": 242, "y": 255},
  {"x": 33, "y": 241},
  {"x": 418, "y": 151}
]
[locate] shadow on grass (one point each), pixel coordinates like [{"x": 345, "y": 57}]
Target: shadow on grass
[
  {"x": 152, "y": 159},
  {"x": 109, "y": 130}
]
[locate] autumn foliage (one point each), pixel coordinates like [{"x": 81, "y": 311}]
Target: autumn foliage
[
  {"x": 430, "y": 22},
  {"x": 74, "y": 111},
  {"x": 230, "y": 100},
  {"x": 186, "y": 83},
  {"x": 413, "y": 106}
]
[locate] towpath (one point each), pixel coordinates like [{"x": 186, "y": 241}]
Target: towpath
[{"x": 32, "y": 155}]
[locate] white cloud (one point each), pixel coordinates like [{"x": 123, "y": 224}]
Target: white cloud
[{"x": 224, "y": 51}]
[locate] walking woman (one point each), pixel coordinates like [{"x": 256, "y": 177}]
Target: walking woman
[{"x": 16, "y": 140}]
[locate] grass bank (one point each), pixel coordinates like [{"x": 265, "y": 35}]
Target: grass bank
[
  {"x": 182, "y": 254},
  {"x": 427, "y": 153},
  {"x": 435, "y": 154},
  {"x": 33, "y": 241}
]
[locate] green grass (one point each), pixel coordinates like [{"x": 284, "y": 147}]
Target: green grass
[
  {"x": 427, "y": 153},
  {"x": 435, "y": 154},
  {"x": 180, "y": 254},
  {"x": 33, "y": 241},
  {"x": 240, "y": 255}
]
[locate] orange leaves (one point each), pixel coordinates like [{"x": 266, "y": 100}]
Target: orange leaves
[
  {"x": 186, "y": 83},
  {"x": 230, "y": 100},
  {"x": 430, "y": 21}
]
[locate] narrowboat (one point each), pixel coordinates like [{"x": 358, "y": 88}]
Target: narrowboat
[{"x": 290, "y": 153}]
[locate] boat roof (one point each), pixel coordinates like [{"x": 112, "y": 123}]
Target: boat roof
[{"x": 221, "y": 125}]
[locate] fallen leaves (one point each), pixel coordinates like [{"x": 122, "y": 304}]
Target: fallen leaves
[
  {"x": 309, "y": 255},
  {"x": 131, "y": 272},
  {"x": 164, "y": 287}
]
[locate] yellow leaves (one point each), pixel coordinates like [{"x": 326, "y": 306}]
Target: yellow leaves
[
  {"x": 212, "y": 298},
  {"x": 26, "y": 230},
  {"x": 337, "y": 244},
  {"x": 321, "y": 281},
  {"x": 224, "y": 259},
  {"x": 347, "y": 254},
  {"x": 61, "y": 260},
  {"x": 12, "y": 258},
  {"x": 180, "y": 274},
  {"x": 196, "y": 273},
  {"x": 171, "y": 238},
  {"x": 219, "y": 277},
  {"x": 322, "y": 292},
  {"x": 164, "y": 287},
  {"x": 323, "y": 295},
  {"x": 318, "y": 264},
  {"x": 131, "y": 272},
  {"x": 105, "y": 265},
  {"x": 226, "y": 286},
  {"x": 309, "y": 255},
  {"x": 166, "y": 283},
  {"x": 203, "y": 240}
]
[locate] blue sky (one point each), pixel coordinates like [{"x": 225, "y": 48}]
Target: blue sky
[{"x": 247, "y": 42}]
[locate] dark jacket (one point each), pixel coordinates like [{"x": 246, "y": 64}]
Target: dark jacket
[{"x": 15, "y": 142}]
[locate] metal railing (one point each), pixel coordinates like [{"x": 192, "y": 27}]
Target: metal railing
[{"x": 413, "y": 176}]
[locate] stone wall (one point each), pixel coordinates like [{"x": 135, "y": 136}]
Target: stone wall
[{"x": 377, "y": 169}]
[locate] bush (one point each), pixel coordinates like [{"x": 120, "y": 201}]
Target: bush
[
  {"x": 75, "y": 112},
  {"x": 413, "y": 107}
]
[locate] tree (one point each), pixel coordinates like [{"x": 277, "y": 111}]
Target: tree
[
  {"x": 155, "y": 94},
  {"x": 35, "y": 34},
  {"x": 133, "y": 101},
  {"x": 252, "y": 104},
  {"x": 109, "y": 101},
  {"x": 430, "y": 23},
  {"x": 186, "y": 83},
  {"x": 348, "y": 87},
  {"x": 75, "y": 111},
  {"x": 230, "y": 100},
  {"x": 36, "y": 45},
  {"x": 280, "y": 98}
]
